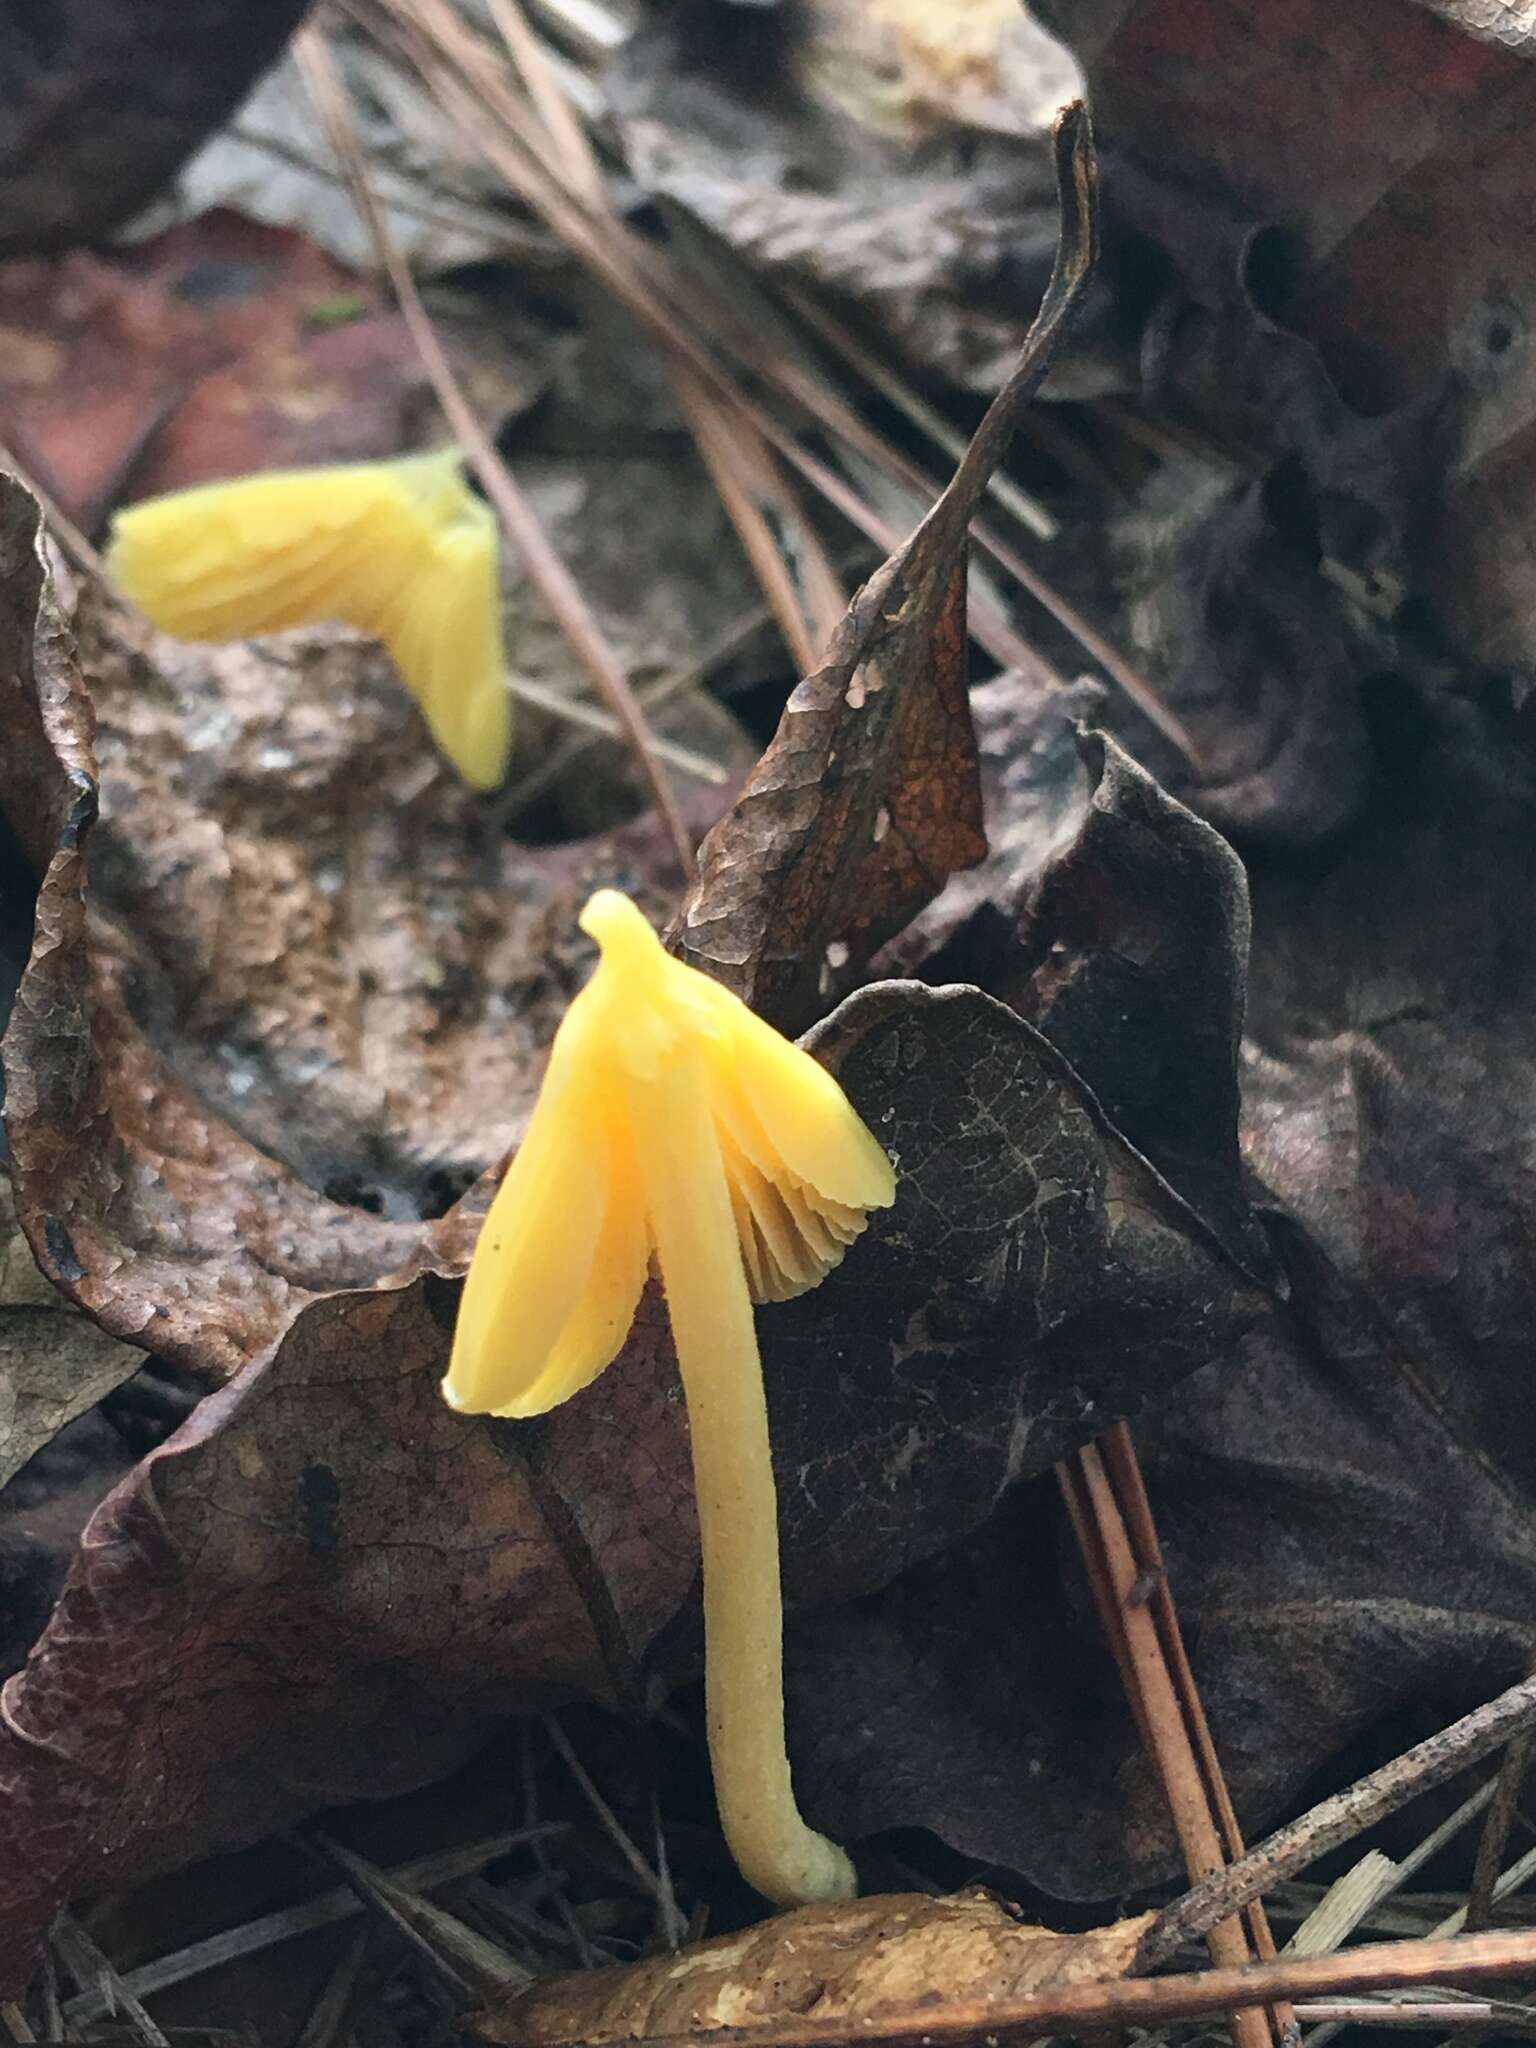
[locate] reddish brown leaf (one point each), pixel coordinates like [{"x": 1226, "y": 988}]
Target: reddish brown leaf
[
  {"x": 219, "y": 347},
  {"x": 868, "y": 797}
]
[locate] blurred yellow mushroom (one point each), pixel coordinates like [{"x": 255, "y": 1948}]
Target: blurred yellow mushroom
[
  {"x": 674, "y": 1122},
  {"x": 403, "y": 550}
]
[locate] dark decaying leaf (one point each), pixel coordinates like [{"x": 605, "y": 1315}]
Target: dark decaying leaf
[
  {"x": 1381, "y": 163},
  {"x": 1389, "y": 1089},
  {"x": 1258, "y": 654},
  {"x": 1134, "y": 963},
  {"x": 940, "y": 232},
  {"x": 1118, "y": 923},
  {"x": 361, "y": 1581},
  {"x": 103, "y": 103},
  {"x": 1348, "y": 1500},
  {"x": 868, "y": 796},
  {"x": 1341, "y": 1565}
]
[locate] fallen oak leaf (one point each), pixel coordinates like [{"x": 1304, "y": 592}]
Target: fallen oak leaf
[
  {"x": 848, "y": 1962},
  {"x": 1144, "y": 916},
  {"x": 169, "y": 1229},
  {"x": 1118, "y": 923},
  {"x": 868, "y": 796}
]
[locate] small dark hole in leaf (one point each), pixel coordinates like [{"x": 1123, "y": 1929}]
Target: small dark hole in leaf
[
  {"x": 1272, "y": 269},
  {"x": 1499, "y": 338},
  {"x": 813, "y": 180},
  {"x": 442, "y": 1299},
  {"x": 353, "y": 1192},
  {"x": 205, "y": 283},
  {"x": 546, "y": 820},
  {"x": 1291, "y": 508},
  {"x": 442, "y": 1187},
  {"x": 1225, "y": 613}
]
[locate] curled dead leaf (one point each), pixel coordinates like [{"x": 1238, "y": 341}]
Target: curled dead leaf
[
  {"x": 868, "y": 797},
  {"x": 851, "y": 1962}
]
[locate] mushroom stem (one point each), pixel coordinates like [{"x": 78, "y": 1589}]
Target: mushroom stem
[{"x": 699, "y": 1254}]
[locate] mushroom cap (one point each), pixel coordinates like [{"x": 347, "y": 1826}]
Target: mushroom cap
[
  {"x": 402, "y": 550},
  {"x": 561, "y": 1261}
]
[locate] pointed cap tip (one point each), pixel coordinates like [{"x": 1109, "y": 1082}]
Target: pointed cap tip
[{"x": 616, "y": 924}]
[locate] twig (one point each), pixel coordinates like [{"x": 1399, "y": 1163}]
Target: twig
[
  {"x": 1027, "y": 510},
  {"x": 1383, "y": 2012},
  {"x": 612, "y": 1826},
  {"x": 468, "y": 1965},
  {"x": 586, "y": 1954},
  {"x": 330, "y": 2008},
  {"x": 1490, "y": 1847},
  {"x": 1115, "y": 1575},
  {"x": 17, "y": 2024},
  {"x": 1119, "y": 1451},
  {"x": 684, "y": 759},
  {"x": 1144, "y": 2001},
  {"x": 1340, "y": 1819},
  {"x": 89, "y": 1965},
  {"x": 1519, "y": 1874},
  {"x": 1393, "y": 1878},
  {"x": 53, "y": 2014},
  {"x": 756, "y": 498},
  {"x": 212, "y": 1953},
  {"x": 673, "y": 1926},
  {"x": 545, "y": 570}
]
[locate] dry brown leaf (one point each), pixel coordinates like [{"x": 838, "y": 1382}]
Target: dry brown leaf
[
  {"x": 869, "y": 795},
  {"x": 54, "y": 1362},
  {"x": 850, "y": 1961}
]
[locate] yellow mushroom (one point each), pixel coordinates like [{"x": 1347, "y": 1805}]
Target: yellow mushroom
[
  {"x": 674, "y": 1122},
  {"x": 403, "y": 550}
]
